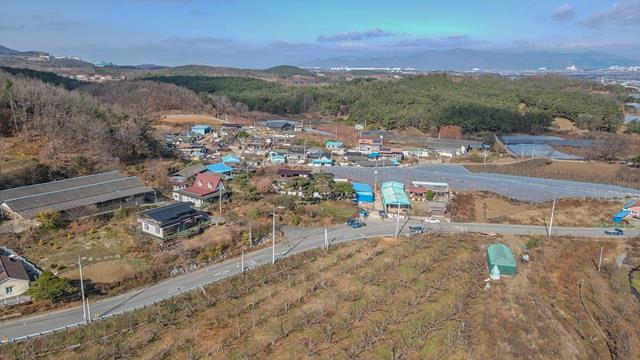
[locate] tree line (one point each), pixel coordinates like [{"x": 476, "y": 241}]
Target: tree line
[{"x": 476, "y": 103}]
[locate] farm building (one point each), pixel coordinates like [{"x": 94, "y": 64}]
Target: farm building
[
  {"x": 501, "y": 256},
  {"x": 201, "y": 129},
  {"x": 282, "y": 125},
  {"x": 207, "y": 188},
  {"x": 14, "y": 279},
  {"x": 394, "y": 196},
  {"x": 179, "y": 219},
  {"x": 363, "y": 191},
  {"x": 422, "y": 190},
  {"x": 76, "y": 197}
]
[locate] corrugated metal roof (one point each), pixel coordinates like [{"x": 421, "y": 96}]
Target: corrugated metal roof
[
  {"x": 169, "y": 212},
  {"x": 58, "y": 185},
  {"x": 362, "y": 187},
  {"x": 191, "y": 171},
  {"x": 82, "y": 193},
  {"x": 393, "y": 194}
]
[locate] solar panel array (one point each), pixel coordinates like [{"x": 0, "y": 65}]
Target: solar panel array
[{"x": 520, "y": 188}]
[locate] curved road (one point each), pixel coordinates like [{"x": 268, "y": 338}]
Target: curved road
[{"x": 297, "y": 240}]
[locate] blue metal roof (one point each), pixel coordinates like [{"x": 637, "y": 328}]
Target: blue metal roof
[
  {"x": 220, "y": 168},
  {"x": 617, "y": 218},
  {"x": 362, "y": 187},
  {"x": 393, "y": 194},
  {"x": 230, "y": 159}
]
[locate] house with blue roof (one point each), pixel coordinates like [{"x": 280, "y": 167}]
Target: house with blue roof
[
  {"x": 322, "y": 161},
  {"x": 220, "y": 168},
  {"x": 335, "y": 146},
  {"x": 277, "y": 158},
  {"x": 230, "y": 159},
  {"x": 364, "y": 193},
  {"x": 394, "y": 196},
  {"x": 202, "y": 129}
]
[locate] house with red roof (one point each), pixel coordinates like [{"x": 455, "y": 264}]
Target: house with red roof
[{"x": 207, "y": 187}]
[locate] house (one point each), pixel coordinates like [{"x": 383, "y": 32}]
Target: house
[
  {"x": 257, "y": 146},
  {"x": 208, "y": 187},
  {"x": 282, "y": 125},
  {"x": 364, "y": 193},
  {"x": 353, "y": 156},
  {"x": 391, "y": 154},
  {"x": 335, "y": 146},
  {"x": 367, "y": 145},
  {"x": 322, "y": 161},
  {"x": 220, "y": 168},
  {"x": 202, "y": 129},
  {"x": 174, "y": 220},
  {"x": 415, "y": 152},
  {"x": 231, "y": 127},
  {"x": 393, "y": 196},
  {"x": 14, "y": 279},
  {"x": 296, "y": 156},
  {"x": 230, "y": 159},
  {"x": 438, "y": 191},
  {"x": 277, "y": 157},
  {"x": 188, "y": 173},
  {"x": 290, "y": 173},
  {"x": 76, "y": 197},
  {"x": 633, "y": 207}
]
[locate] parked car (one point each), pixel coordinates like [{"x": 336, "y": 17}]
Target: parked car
[
  {"x": 616, "y": 232},
  {"x": 417, "y": 229},
  {"x": 355, "y": 223},
  {"x": 431, "y": 220}
]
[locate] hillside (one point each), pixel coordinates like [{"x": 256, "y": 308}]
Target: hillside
[
  {"x": 476, "y": 103},
  {"x": 44, "y": 76},
  {"x": 422, "y": 298},
  {"x": 286, "y": 71}
]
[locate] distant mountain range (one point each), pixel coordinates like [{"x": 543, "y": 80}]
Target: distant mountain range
[{"x": 466, "y": 60}]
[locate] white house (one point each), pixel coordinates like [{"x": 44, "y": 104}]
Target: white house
[{"x": 14, "y": 279}]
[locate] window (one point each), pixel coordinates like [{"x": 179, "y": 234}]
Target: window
[
  {"x": 209, "y": 185},
  {"x": 200, "y": 183},
  {"x": 145, "y": 226},
  {"x": 8, "y": 290}
]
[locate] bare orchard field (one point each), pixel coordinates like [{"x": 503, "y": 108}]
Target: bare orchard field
[
  {"x": 598, "y": 172},
  {"x": 418, "y": 298},
  {"x": 479, "y": 207}
]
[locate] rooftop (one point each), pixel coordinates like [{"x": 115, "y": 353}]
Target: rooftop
[
  {"x": 72, "y": 193},
  {"x": 393, "y": 194},
  {"x": 169, "y": 212},
  {"x": 11, "y": 268}
]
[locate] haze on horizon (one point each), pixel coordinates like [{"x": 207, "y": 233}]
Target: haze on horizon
[{"x": 254, "y": 33}]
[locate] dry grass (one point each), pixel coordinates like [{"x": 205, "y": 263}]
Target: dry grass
[
  {"x": 387, "y": 298},
  {"x": 476, "y": 207},
  {"x": 598, "y": 172},
  {"x": 104, "y": 272}
]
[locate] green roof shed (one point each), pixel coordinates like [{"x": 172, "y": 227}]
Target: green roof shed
[{"x": 501, "y": 256}]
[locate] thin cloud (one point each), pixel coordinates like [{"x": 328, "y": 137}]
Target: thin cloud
[
  {"x": 622, "y": 13},
  {"x": 57, "y": 25},
  {"x": 356, "y": 35},
  {"x": 450, "y": 41},
  {"x": 564, "y": 12},
  {"x": 282, "y": 44},
  {"x": 196, "y": 41}
]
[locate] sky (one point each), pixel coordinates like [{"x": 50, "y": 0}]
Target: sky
[{"x": 262, "y": 33}]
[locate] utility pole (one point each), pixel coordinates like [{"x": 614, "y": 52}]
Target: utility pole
[
  {"x": 375, "y": 181},
  {"x": 88, "y": 311},
  {"x": 553, "y": 209},
  {"x": 84, "y": 307},
  {"x": 600, "y": 261},
  {"x": 220, "y": 196},
  {"x": 326, "y": 240},
  {"x": 273, "y": 237},
  {"x": 242, "y": 262},
  {"x": 250, "y": 238},
  {"x": 398, "y": 221}
]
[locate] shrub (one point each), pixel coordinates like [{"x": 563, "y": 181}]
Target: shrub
[
  {"x": 50, "y": 220},
  {"x": 533, "y": 242},
  {"x": 51, "y": 287}
]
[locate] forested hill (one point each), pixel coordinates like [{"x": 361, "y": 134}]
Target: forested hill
[{"x": 478, "y": 103}]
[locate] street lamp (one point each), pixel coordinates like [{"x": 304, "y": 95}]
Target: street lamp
[{"x": 375, "y": 181}]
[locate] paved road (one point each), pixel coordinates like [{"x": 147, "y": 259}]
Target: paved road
[
  {"x": 521, "y": 188},
  {"x": 297, "y": 240}
]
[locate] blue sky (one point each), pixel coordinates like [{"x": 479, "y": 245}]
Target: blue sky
[{"x": 260, "y": 33}]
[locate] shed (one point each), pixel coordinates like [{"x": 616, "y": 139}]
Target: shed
[
  {"x": 230, "y": 159},
  {"x": 501, "y": 256},
  {"x": 363, "y": 191},
  {"x": 393, "y": 195},
  {"x": 201, "y": 129},
  {"x": 617, "y": 218}
]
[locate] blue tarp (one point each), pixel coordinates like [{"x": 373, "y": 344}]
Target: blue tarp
[
  {"x": 617, "y": 218},
  {"x": 219, "y": 168}
]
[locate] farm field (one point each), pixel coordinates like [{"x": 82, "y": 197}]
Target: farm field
[
  {"x": 479, "y": 207},
  {"x": 419, "y": 298},
  {"x": 599, "y": 172}
]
